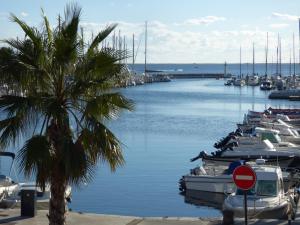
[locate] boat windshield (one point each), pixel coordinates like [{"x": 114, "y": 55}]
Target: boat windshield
[
  {"x": 249, "y": 192},
  {"x": 266, "y": 187},
  {"x": 262, "y": 188}
]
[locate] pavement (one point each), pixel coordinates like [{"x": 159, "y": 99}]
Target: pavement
[{"x": 12, "y": 217}]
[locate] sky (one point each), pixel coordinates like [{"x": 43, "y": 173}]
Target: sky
[{"x": 179, "y": 31}]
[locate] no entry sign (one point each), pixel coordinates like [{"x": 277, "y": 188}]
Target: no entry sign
[{"x": 244, "y": 177}]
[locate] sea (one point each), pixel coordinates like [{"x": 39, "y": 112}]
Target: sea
[{"x": 172, "y": 122}]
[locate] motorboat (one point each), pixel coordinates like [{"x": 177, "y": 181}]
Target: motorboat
[
  {"x": 209, "y": 179},
  {"x": 42, "y": 196},
  {"x": 7, "y": 185},
  {"x": 267, "y": 199},
  {"x": 288, "y": 161},
  {"x": 215, "y": 176}
]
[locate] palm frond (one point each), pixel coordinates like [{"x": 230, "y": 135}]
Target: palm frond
[
  {"x": 108, "y": 105},
  {"x": 101, "y": 36},
  {"x": 35, "y": 158},
  {"x": 102, "y": 144}
]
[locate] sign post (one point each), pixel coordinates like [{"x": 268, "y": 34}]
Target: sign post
[{"x": 244, "y": 178}]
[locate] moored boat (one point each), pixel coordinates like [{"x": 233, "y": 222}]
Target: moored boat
[{"x": 267, "y": 199}]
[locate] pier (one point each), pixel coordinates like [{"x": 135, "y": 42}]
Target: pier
[{"x": 198, "y": 75}]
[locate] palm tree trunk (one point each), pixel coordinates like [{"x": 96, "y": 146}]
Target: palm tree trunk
[{"x": 57, "y": 206}]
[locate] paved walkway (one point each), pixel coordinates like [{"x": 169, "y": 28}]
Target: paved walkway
[{"x": 12, "y": 217}]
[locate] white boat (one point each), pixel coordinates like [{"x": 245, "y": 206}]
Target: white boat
[
  {"x": 253, "y": 80},
  {"x": 239, "y": 82},
  {"x": 267, "y": 199},
  {"x": 42, "y": 196},
  {"x": 7, "y": 185},
  {"x": 262, "y": 139},
  {"x": 214, "y": 179}
]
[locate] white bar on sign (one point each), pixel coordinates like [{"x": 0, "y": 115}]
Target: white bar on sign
[{"x": 243, "y": 177}]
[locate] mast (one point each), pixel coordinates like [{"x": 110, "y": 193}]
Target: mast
[
  {"x": 299, "y": 42},
  {"x": 294, "y": 58},
  {"x": 240, "y": 62},
  {"x": 267, "y": 49},
  {"x": 280, "y": 56},
  {"x": 146, "y": 47},
  {"x": 133, "y": 52},
  {"x": 277, "y": 58},
  {"x": 290, "y": 67},
  {"x": 225, "y": 69},
  {"x": 124, "y": 48},
  {"x": 253, "y": 66}
]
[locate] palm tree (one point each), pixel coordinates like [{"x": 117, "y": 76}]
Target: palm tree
[{"x": 61, "y": 95}]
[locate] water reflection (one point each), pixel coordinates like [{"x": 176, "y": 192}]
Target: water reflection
[{"x": 203, "y": 198}]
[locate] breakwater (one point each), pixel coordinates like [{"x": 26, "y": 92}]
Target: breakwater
[{"x": 198, "y": 75}]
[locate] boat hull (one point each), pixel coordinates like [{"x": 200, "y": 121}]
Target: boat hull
[
  {"x": 277, "y": 212},
  {"x": 206, "y": 183}
]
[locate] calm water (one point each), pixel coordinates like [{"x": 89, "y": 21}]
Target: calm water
[{"x": 172, "y": 123}]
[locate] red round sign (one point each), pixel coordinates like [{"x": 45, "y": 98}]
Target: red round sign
[{"x": 244, "y": 177}]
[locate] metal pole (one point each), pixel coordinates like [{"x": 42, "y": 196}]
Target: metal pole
[{"x": 245, "y": 207}]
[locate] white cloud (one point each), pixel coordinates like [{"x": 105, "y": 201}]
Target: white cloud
[
  {"x": 24, "y": 14},
  {"x": 168, "y": 44},
  {"x": 285, "y": 16},
  {"x": 279, "y": 25},
  {"x": 202, "y": 20}
]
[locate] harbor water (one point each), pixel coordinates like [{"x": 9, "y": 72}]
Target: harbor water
[{"x": 172, "y": 123}]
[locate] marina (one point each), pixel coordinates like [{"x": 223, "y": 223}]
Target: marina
[{"x": 139, "y": 115}]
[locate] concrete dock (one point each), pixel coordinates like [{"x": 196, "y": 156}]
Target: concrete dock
[{"x": 12, "y": 217}]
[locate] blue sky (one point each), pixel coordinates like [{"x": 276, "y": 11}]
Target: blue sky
[{"x": 190, "y": 31}]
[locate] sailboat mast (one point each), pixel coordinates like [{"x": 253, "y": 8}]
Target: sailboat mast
[
  {"x": 267, "y": 49},
  {"x": 133, "y": 55},
  {"x": 240, "y": 61},
  {"x": 290, "y": 68},
  {"x": 299, "y": 42},
  {"x": 277, "y": 55},
  {"x": 253, "y": 66},
  {"x": 280, "y": 56},
  {"x": 146, "y": 47},
  {"x": 294, "y": 58}
]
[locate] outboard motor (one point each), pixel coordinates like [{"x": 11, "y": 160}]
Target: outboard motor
[
  {"x": 224, "y": 141},
  {"x": 201, "y": 155}
]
